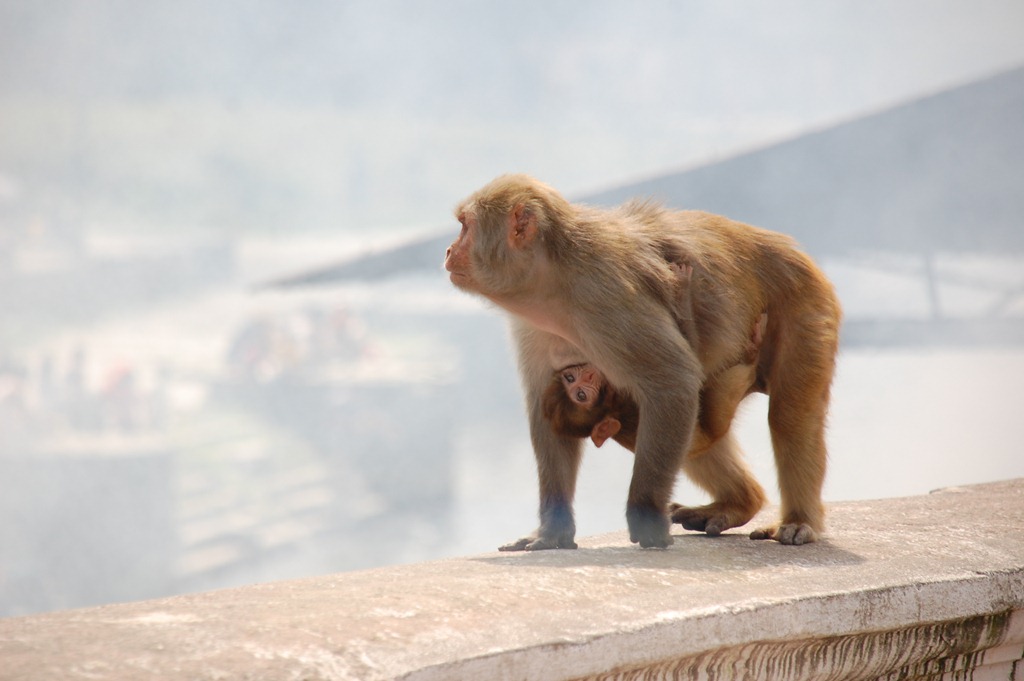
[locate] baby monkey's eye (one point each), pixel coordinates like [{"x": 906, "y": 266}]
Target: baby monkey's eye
[
  {"x": 581, "y": 396},
  {"x": 569, "y": 378}
]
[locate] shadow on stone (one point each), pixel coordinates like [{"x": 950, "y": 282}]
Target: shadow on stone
[{"x": 691, "y": 551}]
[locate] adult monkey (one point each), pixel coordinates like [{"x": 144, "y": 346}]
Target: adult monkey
[{"x": 597, "y": 284}]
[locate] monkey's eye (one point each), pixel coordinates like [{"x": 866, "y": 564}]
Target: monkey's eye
[
  {"x": 569, "y": 378},
  {"x": 581, "y": 396}
]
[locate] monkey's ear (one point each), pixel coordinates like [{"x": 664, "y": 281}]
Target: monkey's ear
[
  {"x": 522, "y": 227},
  {"x": 606, "y": 428}
]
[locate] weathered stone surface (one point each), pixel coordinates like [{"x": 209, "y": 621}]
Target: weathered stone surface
[
  {"x": 887, "y": 572},
  {"x": 923, "y": 651}
]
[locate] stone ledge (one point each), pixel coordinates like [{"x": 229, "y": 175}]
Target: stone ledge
[{"x": 920, "y": 584}]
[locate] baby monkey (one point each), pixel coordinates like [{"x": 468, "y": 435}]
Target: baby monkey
[{"x": 580, "y": 403}]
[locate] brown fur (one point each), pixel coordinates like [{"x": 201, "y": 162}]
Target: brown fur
[
  {"x": 574, "y": 420},
  {"x": 717, "y": 405},
  {"x": 600, "y": 280}
]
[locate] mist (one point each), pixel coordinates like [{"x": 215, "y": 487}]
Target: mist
[{"x": 169, "y": 422}]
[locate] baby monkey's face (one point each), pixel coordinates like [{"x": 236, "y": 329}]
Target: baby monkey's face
[{"x": 582, "y": 384}]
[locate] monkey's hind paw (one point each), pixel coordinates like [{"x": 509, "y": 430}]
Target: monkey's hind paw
[
  {"x": 713, "y": 519},
  {"x": 794, "y": 534}
]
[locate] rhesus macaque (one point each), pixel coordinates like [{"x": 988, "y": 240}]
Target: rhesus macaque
[{"x": 596, "y": 286}]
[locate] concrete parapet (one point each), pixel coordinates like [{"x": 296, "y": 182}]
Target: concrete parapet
[{"x": 912, "y": 588}]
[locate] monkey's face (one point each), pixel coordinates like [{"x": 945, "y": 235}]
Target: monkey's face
[
  {"x": 457, "y": 257},
  {"x": 497, "y": 253},
  {"x": 582, "y": 384}
]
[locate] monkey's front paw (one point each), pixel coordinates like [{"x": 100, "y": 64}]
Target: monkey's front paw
[
  {"x": 793, "y": 534},
  {"x": 518, "y": 544},
  {"x": 543, "y": 544},
  {"x": 648, "y": 527},
  {"x": 539, "y": 544}
]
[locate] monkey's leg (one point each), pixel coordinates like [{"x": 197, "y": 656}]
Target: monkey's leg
[
  {"x": 721, "y": 472},
  {"x": 558, "y": 460},
  {"x": 798, "y": 403},
  {"x": 664, "y": 435},
  {"x": 719, "y": 399},
  {"x": 655, "y": 468}
]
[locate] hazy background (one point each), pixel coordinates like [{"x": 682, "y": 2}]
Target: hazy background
[{"x": 168, "y": 424}]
